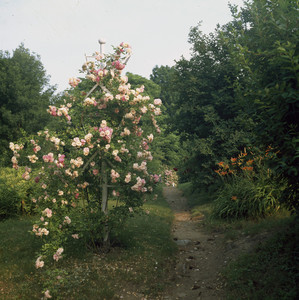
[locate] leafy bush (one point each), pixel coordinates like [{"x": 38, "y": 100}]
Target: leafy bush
[
  {"x": 9, "y": 201},
  {"x": 197, "y": 196},
  {"x": 15, "y": 193},
  {"x": 250, "y": 188},
  {"x": 141, "y": 263},
  {"x": 101, "y": 143},
  {"x": 246, "y": 198}
]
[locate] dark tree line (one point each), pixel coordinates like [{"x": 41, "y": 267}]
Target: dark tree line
[{"x": 239, "y": 89}]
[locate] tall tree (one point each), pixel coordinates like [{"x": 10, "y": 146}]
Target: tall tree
[
  {"x": 165, "y": 77},
  {"x": 151, "y": 88},
  {"x": 25, "y": 94},
  {"x": 264, "y": 48},
  {"x": 206, "y": 114},
  {"x": 240, "y": 88}
]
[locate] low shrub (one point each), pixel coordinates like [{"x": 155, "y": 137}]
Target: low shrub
[
  {"x": 243, "y": 197},
  {"x": 9, "y": 201},
  {"x": 250, "y": 189},
  {"x": 197, "y": 195},
  {"x": 15, "y": 193}
]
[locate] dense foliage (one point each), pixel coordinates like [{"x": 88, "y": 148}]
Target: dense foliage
[
  {"x": 25, "y": 94},
  {"x": 15, "y": 193},
  {"x": 266, "y": 54},
  {"x": 100, "y": 151},
  {"x": 239, "y": 90}
]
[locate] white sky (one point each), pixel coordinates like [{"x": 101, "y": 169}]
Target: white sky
[{"x": 62, "y": 31}]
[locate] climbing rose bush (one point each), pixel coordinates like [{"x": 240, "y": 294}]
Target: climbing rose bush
[
  {"x": 170, "y": 177},
  {"x": 102, "y": 148}
]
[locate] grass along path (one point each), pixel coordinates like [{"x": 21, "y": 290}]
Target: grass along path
[
  {"x": 138, "y": 268},
  {"x": 216, "y": 259}
]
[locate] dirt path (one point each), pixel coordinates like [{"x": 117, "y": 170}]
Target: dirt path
[{"x": 201, "y": 256}]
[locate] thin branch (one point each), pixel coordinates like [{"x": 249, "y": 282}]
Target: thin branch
[
  {"x": 92, "y": 90},
  {"x": 90, "y": 159},
  {"x": 110, "y": 164}
]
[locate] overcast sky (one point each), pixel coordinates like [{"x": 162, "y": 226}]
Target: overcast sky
[{"x": 62, "y": 31}]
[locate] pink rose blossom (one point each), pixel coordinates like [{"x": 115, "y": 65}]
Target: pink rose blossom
[
  {"x": 47, "y": 294},
  {"x": 117, "y": 158},
  {"x": 61, "y": 158},
  {"x": 118, "y": 65},
  {"x": 128, "y": 178},
  {"x": 157, "y": 101},
  {"x": 74, "y": 81},
  {"x": 58, "y": 255},
  {"x": 115, "y": 193},
  {"x": 39, "y": 263},
  {"x": 47, "y": 212},
  {"x": 33, "y": 158},
  {"x": 67, "y": 220},
  {"x": 95, "y": 172},
  {"x": 145, "y": 145},
  {"x": 114, "y": 176},
  {"x": 49, "y": 157},
  {"x": 86, "y": 151}
]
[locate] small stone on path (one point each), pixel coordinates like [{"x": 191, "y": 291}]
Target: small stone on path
[
  {"x": 182, "y": 242},
  {"x": 182, "y": 295}
]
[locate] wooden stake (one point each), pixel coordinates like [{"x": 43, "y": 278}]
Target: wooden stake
[{"x": 105, "y": 201}]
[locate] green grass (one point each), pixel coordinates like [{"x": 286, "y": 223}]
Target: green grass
[
  {"x": 202, "y": 206},
  {"x": 17, "y": 257},
  {"x": 271, "y": 271},
  {"x": 195, "y": 196},
  {"x": 139, "y": 262}
]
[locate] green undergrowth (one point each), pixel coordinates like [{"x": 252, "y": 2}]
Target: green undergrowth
[
  {"x": 195, "y": 196},
  {"x": 138, "y": 263},
  {"x": 15, "y": 193},
  {"x": 270, "y": 270}
]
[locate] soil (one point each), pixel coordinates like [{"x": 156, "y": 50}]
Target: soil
[{"x": 201, "y": 256}]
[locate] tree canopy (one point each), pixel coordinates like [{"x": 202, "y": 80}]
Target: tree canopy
[
  {"x": 239, "y": 89},
  {"x": 25, "y": 94}
]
